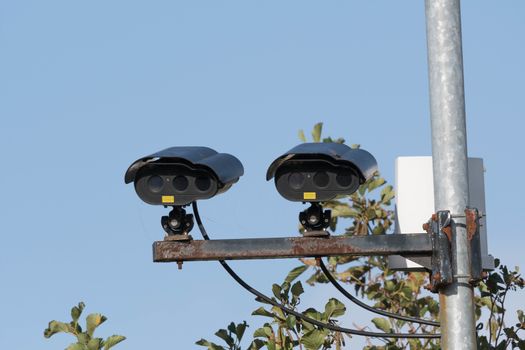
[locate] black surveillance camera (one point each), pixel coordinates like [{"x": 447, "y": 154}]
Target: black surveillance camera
[
  {"x": 318, "y": 172},
  {"x": 178, "y": 176}
]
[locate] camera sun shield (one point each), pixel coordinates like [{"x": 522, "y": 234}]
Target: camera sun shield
[{"x": 181, "y": 175}]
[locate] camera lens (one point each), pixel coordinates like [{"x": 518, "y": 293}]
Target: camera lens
[
  {"x": 180, "y": 183},
  {"x": 296, "y": 180},
  {"x": 321, "y": 179},
  {"x": 344, "y": 179},
  {"x": 203, "y": 183},
  {"x": 155, "y": 183}
]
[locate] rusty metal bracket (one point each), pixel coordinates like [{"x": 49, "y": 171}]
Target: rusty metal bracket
[
  {"x": 439, "y": 228},
  {"x": 473, "y": 226},
  {"x": 410, "y": 245}
]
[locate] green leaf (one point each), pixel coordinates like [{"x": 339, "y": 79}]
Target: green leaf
[
  {"x": 55, "y": 327},
  {"x": 301, "y": 136},
  {"x": 291, "y": 321},
  {"x": 93, "y": 321},
  {"x": 387, "y": 194},
  {"x": 294, "y": 273},
  {"x": 223, "y": 334},
  {"x": 83, "y": 338},
  {"x": 271, "y": 345},
  {"x": 371, "y": 214},
  {"x": 342, "y": 210},
  {"x": 76, "y": 311},
  {"x": 333, "y": 308},
  {"x": 239, "y": 330},
  {"x": 202, "y": 342},
  {"x": 510, "y": 333},
  {"x": 231, "y": 327},
  {"x": 378, "y": 230},
  {"x": 276, "y": 289},
  {"x": 256, "y": 344},
  {"x": 390, "y": 286},
  {"x": 485, "y": 301},
  {"x": 297, "y": 289},
  {"x": 313, "y": 313},
  {"x": 316, "y": 132},
  {"x": 113, "y": 340},
  {"x": 95, "y": 344},
  {"x": 285, "y": 289},
  {"x": 264, "y": 332},
  {"x": 263, "y": 312},
  {"x": 278, "y": 313},
  {"x": 362, "y": 189},
  {"x": 314, "y": 339},
  {"x": 375, "y": 184},
  {"x": 383, "y": 324}
]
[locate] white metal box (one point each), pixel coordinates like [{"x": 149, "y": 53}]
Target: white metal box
[{"x": 415, "y": 202}]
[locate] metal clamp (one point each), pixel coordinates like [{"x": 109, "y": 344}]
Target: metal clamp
[
  {"x": 476, "y": 267},
  {"x": 439, "y": 227}
]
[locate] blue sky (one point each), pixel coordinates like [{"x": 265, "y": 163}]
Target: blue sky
[{"x": 87, "y": 87}]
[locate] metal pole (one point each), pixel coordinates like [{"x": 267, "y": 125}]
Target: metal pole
[{"x": 449, "y": 153}]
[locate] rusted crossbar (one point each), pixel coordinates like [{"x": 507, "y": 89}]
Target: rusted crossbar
[{"x": 408, "y": 245}]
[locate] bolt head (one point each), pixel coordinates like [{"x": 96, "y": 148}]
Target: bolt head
[{"x": 313, "y": 219}]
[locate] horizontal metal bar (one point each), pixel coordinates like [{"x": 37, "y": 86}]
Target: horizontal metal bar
[{"x": 291, "y": 247}]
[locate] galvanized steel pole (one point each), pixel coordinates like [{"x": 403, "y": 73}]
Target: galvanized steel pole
[{"x": 449, "y": 153}]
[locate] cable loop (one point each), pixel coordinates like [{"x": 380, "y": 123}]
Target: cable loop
[
  {"x": 368, "y": 307},
  {"x": 299, "y": 315}
]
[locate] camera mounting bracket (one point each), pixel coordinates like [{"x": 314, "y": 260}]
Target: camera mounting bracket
[
  {"x": 315, "y": 220},
  {"x": 177, "y": 224}
]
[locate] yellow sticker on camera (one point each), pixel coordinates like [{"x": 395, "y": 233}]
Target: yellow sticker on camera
[
  {"x": 309, "y": 195},
  {"x": 168, "y": 199}
]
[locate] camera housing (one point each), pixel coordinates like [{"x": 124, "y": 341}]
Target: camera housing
[
  {"x": 177, "y": 176},
  {"x": 318, "y": 172}
]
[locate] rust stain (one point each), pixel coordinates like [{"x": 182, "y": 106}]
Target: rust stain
[
  {"x": 321, "y": 246},
  {"x": 448, "y": 231},
  {"x": 472, "y": 226}
]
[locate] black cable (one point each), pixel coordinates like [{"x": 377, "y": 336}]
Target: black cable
[
  {"x": 295, "y": 313},
  {"x": 368, "y": 307}
]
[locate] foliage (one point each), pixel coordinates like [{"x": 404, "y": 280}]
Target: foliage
[
  {"x": 285, "y": 332},
  {"x": 85, "y": 339},
  {"x": 397, "y": 292},
  {"x": 493, "y": 293}
]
